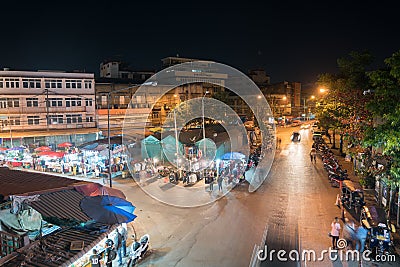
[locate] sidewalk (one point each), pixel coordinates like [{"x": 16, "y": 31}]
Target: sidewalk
[{"x": 369, "y": 196}]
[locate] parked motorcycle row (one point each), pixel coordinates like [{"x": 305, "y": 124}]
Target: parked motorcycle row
[
  {"x": 379, "y": 239},
  {"x": 331, "y": 164}
]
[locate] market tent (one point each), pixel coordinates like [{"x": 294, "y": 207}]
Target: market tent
[
  {"x": 210, "y": 147},
  {"x": 52, "y": 154},
  {"x": 151, "y": 148},
  {"x": 90, "y": 146},
  {"x": 168, "y": 145},
  {"x": 220, "y": 151}
]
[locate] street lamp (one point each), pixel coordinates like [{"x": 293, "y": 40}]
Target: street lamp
[
  {"x": 204, "y": 129},
  {"x": 108, "y": 121}
]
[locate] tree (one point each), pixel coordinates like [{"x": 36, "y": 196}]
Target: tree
[
  {"x": 385, "y": 106},
  {"x": 345, "y": 102}
]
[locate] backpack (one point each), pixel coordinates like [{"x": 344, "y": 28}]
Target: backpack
[{"x": 112, "y": 255}]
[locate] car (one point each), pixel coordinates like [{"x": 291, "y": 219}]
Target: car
[
  {"x": 296, "y": 123},
  {"x": 295, "y": 137}
]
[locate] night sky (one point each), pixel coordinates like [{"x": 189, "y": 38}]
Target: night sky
[{"x": 292, "y": 42}]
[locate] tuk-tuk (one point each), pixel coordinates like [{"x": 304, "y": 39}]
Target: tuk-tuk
[
  {"x": 352, "y": 196},
  {"x": 379, "y": 237}
]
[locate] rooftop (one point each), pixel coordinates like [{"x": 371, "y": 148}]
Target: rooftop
[
  {"x": 17, "y": 182},
  {"x": 55, "y": 250}
]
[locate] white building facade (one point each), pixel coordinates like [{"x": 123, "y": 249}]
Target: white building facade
[{"x": 45, "y": 104}]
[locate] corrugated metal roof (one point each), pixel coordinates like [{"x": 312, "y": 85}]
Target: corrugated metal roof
[
  {"x": 63, "y": 204},
  {"x": 17, "y": 182},
  {"x": 54, "y": 250}
]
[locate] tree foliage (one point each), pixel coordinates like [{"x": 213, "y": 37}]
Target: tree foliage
[
  {"x": 344, "y": 105},
  {"x": 385, "y": 106}
]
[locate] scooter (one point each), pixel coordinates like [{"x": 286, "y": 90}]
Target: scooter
[{"x": 138, "y": 250}]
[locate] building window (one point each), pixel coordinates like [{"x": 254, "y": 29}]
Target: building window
[
  {"x": 13, "y": 102},
  {"x": 9, "y": 102},
  {"x": 1, "y": 83},
  {"x": 32, "y": 102},
  {"x": 56, "y": 119},
  {"x": 33, "y": 120},
  {"x": 88, "y": 84},
  {"x": 55, "y": 102},
  {"x": 73, "y": 102},
  {"x": 15, "y": 121},
  {"x": 89, "y": 119},
  {"x": 74, "y": 118},
  {"x": 12, "y": 83},
  {"x": 3, "y": 102},
  {"x": 74, "y": 84},
  {"x": 89, "y": 102},
  {"x": 31, "y": 83},
  {"x": 53, "y": 83}
]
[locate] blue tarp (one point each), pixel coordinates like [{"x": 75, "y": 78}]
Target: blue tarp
[
  {"x": 151, "y": 148},
  {"x": 233, "y": 155}
]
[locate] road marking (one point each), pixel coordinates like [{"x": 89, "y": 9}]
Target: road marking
[{"x": 255, "y": 261}]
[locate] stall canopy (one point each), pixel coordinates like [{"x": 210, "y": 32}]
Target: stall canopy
[
  {"x": 151, "y": 148},
  {"x": 210, "y": 147},
  {"x": 220, "y": 151},
  {"x": 168, "y": 145}
]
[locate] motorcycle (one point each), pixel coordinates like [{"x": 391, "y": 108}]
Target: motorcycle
[{"x": 138, "y": 250}]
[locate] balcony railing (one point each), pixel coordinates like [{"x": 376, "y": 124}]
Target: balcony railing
[{"x": 33, "y": 110}]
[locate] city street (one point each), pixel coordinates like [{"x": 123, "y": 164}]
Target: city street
[{"x": 293, "y": 209}]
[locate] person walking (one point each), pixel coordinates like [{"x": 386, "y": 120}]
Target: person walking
[
  {"x": 335, "y": 232},
  {"x": 220, "y": 179},
  {"x": 349, "y": 233},
  {"x": 109, "y": 252},
  {"x": 211, "y": 180},
  {"x": 94, "y": 259},
  {"x": 118, "y": 245},
  {"x": 313, "y": 155},
  {"x": 124, "y": 234},
  {"x": 361, "y": 234}
]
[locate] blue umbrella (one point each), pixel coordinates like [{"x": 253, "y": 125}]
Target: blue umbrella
[
  {"x": 17, "y": 148},
  {"x": 108, "y": 209},
  {"x": 233, "y": 155}
]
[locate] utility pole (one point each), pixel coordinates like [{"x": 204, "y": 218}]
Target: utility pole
[{"x": 47, "y": 108}]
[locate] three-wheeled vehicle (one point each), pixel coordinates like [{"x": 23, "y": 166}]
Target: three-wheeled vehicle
[
  {"x": 352, "y": 196},
  {"x": 295, "y": 137},
  {"x": 379, "y": 239}
]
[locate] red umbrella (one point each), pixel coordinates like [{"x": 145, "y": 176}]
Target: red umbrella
[
  {"x": 42, "y": 148},
  {"x": 52, "y": 154},
  {"x": 96, "y": 189},
  {"x": 65, "y": 144},
  {"x": 3, "y": 148}
]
